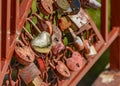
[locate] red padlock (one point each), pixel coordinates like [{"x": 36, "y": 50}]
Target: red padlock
[
  {"x": 76, "y": 61},
  {"x": 24, "y": 54},
  {"x": 45, "y": 6}
]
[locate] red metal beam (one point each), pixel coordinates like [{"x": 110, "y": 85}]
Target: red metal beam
[
  {"x": 6, "y": 5},
  {"x": 104, "y": 19},
  {"x": 115, "y": 47},
  {"x": 14, "y": 19},
  {"x": 0, "y": 34}
]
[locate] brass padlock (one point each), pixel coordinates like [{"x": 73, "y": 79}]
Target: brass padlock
[
  {"x": 37, "y": 81},
  {"x": 64, "y": 23},
  {"x": 29, "y": 73},
  {"x": 78, "y": 41}
]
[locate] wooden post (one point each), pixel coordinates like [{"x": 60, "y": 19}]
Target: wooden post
[{"x": 115, "y": 47}]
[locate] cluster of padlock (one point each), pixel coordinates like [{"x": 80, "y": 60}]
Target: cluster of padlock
[{"x": 41, "y": 56}]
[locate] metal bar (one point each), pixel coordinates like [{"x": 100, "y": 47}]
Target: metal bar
[
  {"x": 0, "y": 32},
  {"x": 77, "y": 76},
  {"x": 14, "y": 18},
  {"x": 5, "y": 26},
  {"x": 104, "y": 19},
  {"x": 24, "y": 8},
  {"x": 115, "y": 47}
]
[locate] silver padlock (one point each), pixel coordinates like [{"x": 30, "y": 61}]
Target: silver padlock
[
  {"x": 79, "y": 19},
  {"x": 92, "y": 50}
]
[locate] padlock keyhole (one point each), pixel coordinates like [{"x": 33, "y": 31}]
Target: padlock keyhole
[
  {"x": 77, "y": 65},
  {"x": 28, "y": 57}
]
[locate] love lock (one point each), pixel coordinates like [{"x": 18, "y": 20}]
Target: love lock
[
  {"x": 89, "y": 48},
  {"x": 42, "y": 42},
  {"x": 78, "y": 41},
  {"x": 29, "y": 73},
  {"x": 79, "y": 19},
  {"x": 64, "y": 23},
  {"x": 24, "y": 54},
  {"x": 43, "y": 25},
  {"x": 76, "y": 61},
  {"x": 75, "y": 6},
  {"x": 45, "y": 6},
  {"x": 60, "y": 67},
  {"x": 57, "y": 44}
]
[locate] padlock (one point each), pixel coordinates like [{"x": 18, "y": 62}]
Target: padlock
[
  {"x": 42, "y": 43},
  {"x": 29, "y": 73},
  {"x": 64, "y": 23},
  {"x": 24, "y": 54},
  {"x": 57, "y": 44},
  {"x": 60, "y": 67},
  {"x": 75, "y": 6},
  {"x": 45, "y": 6},
  {"x": 76, "y": 61},
  {"x": 63, "y": 5},
  {"x": 43, "y": 25},
  {"x": 78, "y": 41},
  {"x": 79, "y": 19},
  {"x": 37, "y": 81},
  {"x": 90, "y": 4},
  {"x": 91, "y": 51}
]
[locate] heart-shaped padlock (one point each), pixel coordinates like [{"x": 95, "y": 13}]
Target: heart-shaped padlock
[
  {"x": 42, "y": 42},
  {"x": 76, "y": 61},
  {"x": 45, "y": 6},
  {"x": 57, "y": 44},
  {"x": 24, "y": 54}
]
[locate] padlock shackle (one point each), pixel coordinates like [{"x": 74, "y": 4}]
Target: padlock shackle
[
  {"x": 20, "y": 43},
  {"x": 46, "y": 22},
  {"x": 28, "y": 33},
  {"x": 35, "y": 26}
]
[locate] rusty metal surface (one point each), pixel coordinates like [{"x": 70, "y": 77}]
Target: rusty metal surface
[
  {"x": 108, "y": 78},
  {"x": 11, "y": 25}
]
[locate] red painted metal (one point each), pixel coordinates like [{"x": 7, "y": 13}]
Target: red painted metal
[
  {"x": 115, "y": 47},
  {"x": 13, "y": 15},
  {"x": 104, "y": 19}
]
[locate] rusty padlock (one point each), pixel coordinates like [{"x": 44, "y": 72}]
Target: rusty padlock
[
  {"x": 42, "y": 43},
  {"x": 78, "y": 41},
  {"x": 76, "y": 61},
  {"x": 29, "y": 73},
  {"x": 64, "y": 23},
  {"x": 60, "y": 67},
  {"x": 57, "y": 44},
  {"x": 45, "y": 6},
  {"x": 43, "y": 25},
  {"x": 24, "y": 54},
  {"x": 79, "y": 19}
]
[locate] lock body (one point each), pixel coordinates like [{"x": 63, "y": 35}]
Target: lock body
[{"x": 29, "y": 73}]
